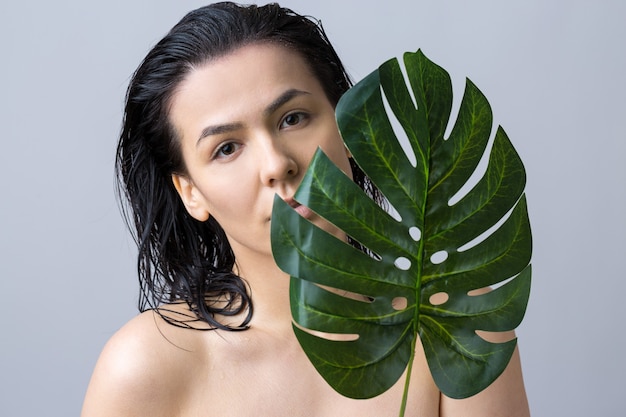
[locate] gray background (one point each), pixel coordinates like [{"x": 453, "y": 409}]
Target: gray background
[{"x": 552, "y": 70}]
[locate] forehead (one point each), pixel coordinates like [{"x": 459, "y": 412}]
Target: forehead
[{"x": 239, "y": 84}]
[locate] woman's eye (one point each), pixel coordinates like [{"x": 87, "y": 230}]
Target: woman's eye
[
  {"x": 293, "y": 119},
  {"x": 226, "y": 149}
]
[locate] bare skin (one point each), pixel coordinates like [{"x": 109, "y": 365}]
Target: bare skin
[{"x": 249, "y": 123}]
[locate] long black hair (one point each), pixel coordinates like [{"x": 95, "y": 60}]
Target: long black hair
[{"x": 179, "y": 258}]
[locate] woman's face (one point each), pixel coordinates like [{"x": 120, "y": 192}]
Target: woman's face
[{"x": 249, "y": 123}]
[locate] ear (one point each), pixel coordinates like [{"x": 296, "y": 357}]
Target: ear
[{"x": 191, "y": 197}]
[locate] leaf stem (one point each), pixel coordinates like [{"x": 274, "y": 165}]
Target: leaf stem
[{"x": 407, "y": 381}]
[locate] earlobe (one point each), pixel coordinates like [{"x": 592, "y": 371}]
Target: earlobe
[{"x": 190, "y": 197}]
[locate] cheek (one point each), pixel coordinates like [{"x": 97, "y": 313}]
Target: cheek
[
  {"x": 227, "y": 199},
  {"x": 338, "y": 153},
  {"x": 346, "y": 167},
  {"x": 219, "y": 190}
]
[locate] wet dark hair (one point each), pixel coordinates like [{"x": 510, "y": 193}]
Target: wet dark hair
[{"x": 179, "y": 258}]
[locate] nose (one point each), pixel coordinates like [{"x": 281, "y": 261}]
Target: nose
[{"x": 277, "y": 163}]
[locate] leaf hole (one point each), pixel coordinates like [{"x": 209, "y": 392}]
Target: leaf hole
[
  {"x": 439, "y": 298},
  {"x": 495, "y": 337},
  {"x": 399, "y": 132},
  {"x": 399, "y": 303},
  {"x": 338, "y": 337},
  {"x": 492, "y": 287},
  {"x": 439, "y": 257},
  {"x": 407, "y": 79},
  {"x": 479, "y": 291},
  {"x": 478, "y": 173},
  {"x": 483, "y": 236},
  {"x": 391, "y": 210},
  {"x": 372, "y": 254},
  {"x": 415, "y": 233},
  {"x": 402, "y": 263},
  {"x": 347, "y": 294},
  {"x": 458, "y": 91}
]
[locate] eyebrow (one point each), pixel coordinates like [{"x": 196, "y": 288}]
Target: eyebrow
[
  {"x": 219, "y": 129},
  {"x": 271, "y": 108},
  {"x": 283, "y": 99}
]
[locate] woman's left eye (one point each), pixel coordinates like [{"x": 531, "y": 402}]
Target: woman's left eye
[{"x": 293, "y": 119}]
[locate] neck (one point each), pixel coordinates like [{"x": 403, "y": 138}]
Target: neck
[{"x": 269, "y": 289}]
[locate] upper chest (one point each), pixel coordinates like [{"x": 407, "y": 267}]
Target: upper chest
[{"x": 251, "y": 376}]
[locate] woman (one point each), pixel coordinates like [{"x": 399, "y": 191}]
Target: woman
[{"x": 224, "y": 113}]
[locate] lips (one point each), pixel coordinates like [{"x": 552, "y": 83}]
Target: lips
[{"x": 299, "y": 208}]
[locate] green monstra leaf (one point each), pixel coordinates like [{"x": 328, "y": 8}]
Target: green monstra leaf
[{"x": 379, "y": 300}]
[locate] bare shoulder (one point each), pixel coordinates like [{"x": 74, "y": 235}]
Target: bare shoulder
[{"x": 143, "y": 369}]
